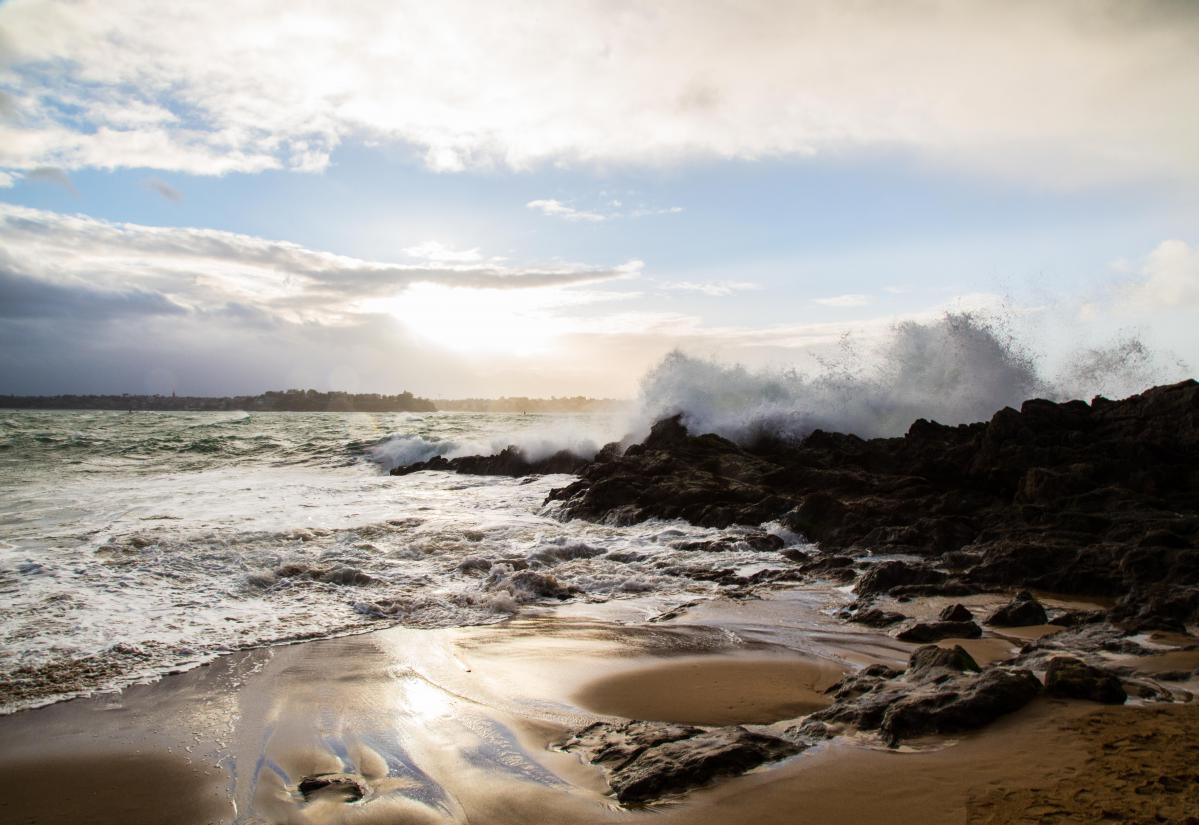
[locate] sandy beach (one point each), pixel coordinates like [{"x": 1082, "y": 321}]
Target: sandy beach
[{"x": 461, "y": 725}]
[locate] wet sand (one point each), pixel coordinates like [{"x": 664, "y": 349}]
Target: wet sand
[{"x": 458, "y": 726}]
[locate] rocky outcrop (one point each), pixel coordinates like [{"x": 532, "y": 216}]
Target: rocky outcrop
[
  {"x": 1022, "y": 611},
  {"x": 1072, "y": 678},
  {"x": 1091, "y": 499},
  {"x": 512, "y": 461},
  {"x": 942, "y": 691},
  {"x": 648, "y": 761},
  {"x": 956, "y": 613},
  {"x": 936, "y": 631}
]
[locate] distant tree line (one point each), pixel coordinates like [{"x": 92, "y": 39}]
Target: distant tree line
[
  {"x": 274, "y": 401},
  {"x": 521, "y": 404},
  {"x": 309, "y": 401}
]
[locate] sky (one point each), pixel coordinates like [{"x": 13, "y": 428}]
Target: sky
[{"x": 519, "y": 198}]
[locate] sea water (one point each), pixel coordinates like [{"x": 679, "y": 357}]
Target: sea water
[{"x": 133, "y": 544}]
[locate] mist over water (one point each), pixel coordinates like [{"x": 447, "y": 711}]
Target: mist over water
[{"x": 959, "y": 369}]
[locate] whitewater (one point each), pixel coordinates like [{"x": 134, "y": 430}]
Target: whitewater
[{"x": 135, "y": 544}]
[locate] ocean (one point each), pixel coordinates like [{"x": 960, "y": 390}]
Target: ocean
[{"x": 137, "y": 544}]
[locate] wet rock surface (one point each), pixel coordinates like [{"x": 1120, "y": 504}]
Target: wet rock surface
[
  {"x": 942, "y": 691},
  {"x": 344, "y": 786},
  {"x": 936, "y": 631},
  {"x": 512, "y": 461},
  {"x": 1098, "y": 499},
  {"x": 648, "y": 761},
  {"x": 1071, "y": 678},
  {"x": 1022, "y": 611}
]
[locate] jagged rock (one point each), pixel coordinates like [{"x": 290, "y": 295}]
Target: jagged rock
[
  {"x": 931, "y": 658},
  {"x": 511, "y": 461},
  {"x": 964, "y": 706},
  {"x": 1075, "y": 618},
  {"x": 888, "y": 575},
  {"x": 938, "y": 694},
  {"x": 646, "y": 761},
  {"x": 935, "y": 631},
  {"x": 1090, "y": 499},
  {"x": 348, "y": 787},
  {"x": 1072, "y": 678},
  {"x": 873, "y": 617},
  {"x": 1022, "y": 611},
  {"x": 957, "y": 613}
]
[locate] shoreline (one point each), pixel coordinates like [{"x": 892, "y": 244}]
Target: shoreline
[{"x": 461, "y": 724}]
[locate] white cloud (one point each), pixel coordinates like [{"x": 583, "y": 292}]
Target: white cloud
[
  {"x": 557, "y": 209},
  {"x": 1058, "y": 93},
  {"x": 435, "y": 251},
  {"x": 850, "y": 300},
  {"x": 203, "y": 270},
  {"x": 1169, "y": 278},
  {"x": 646, "y": 212},
  {"x": 7, "y": 179},
  {"x": 714, "y": 288}
]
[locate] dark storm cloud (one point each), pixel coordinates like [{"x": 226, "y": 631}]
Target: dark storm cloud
[{"x": 23, "y": 297}]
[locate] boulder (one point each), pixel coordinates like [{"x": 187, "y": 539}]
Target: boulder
[
  {"x": 1022, "y": 611},
  {"x": 957, "y": 613},
  {"x": 888, "y": 575},
  {"x": 930, "y": 658},
  {"x": 936, "y": 631},
  {"x": 648, "y": 761},
  {"x": 873, "y": 617},
  {"x": 960, "y": 706},
  {"x": 1072, "y": 678}
]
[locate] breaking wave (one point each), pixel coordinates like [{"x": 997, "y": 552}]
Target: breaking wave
[{"x": 959, "y": 369}]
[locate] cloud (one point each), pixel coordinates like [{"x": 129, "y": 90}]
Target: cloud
[
  {"x": 1058, "y": 94},
  {"x": 52, "y": 175},
  {"x": 646, "y": 212},
  {"x": 434, "y": 251},
  {"x": 849, "y": 300},
  {"x": 713, "y": 288},
  {"x": 165, "y": 189},
  {"x": 557, "y": 209},
  {"x": 208, "y": 270},
  {"x": 8, "y": 179},
  {"x": 1169, "y": 278},
  {"x": 24, "y": 298}
]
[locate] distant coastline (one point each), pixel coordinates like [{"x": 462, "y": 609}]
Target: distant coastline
[{"x": 308, "y": 401}]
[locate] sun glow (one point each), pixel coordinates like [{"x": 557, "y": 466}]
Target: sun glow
[{"x": 515, "y": 322}]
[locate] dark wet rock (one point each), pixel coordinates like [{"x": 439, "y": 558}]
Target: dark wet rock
[
  {"x": 648, "y": 761},
  {"x": 957, "y": 613},
  {"x": 1163, "y": 606},
  {"x": 874, "y": 617},
  {"x": 1095, "y": 499},
  {"x": 963, "y": 706},
  {"x": 1022, "y": 611},
  {"x": 511, "y": 461},
  {"x": 1072, "y": 678},
  {"x": 939, "y": 693},
  {"x": 935, "y": 631},
  {"x": 758, "y": 541},
  {"x": 1075, "y": 618},
  {"x": 886, "y": 576},
  {"x": 931, "y": 658},
  {"x": 347, "y": 787}
]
